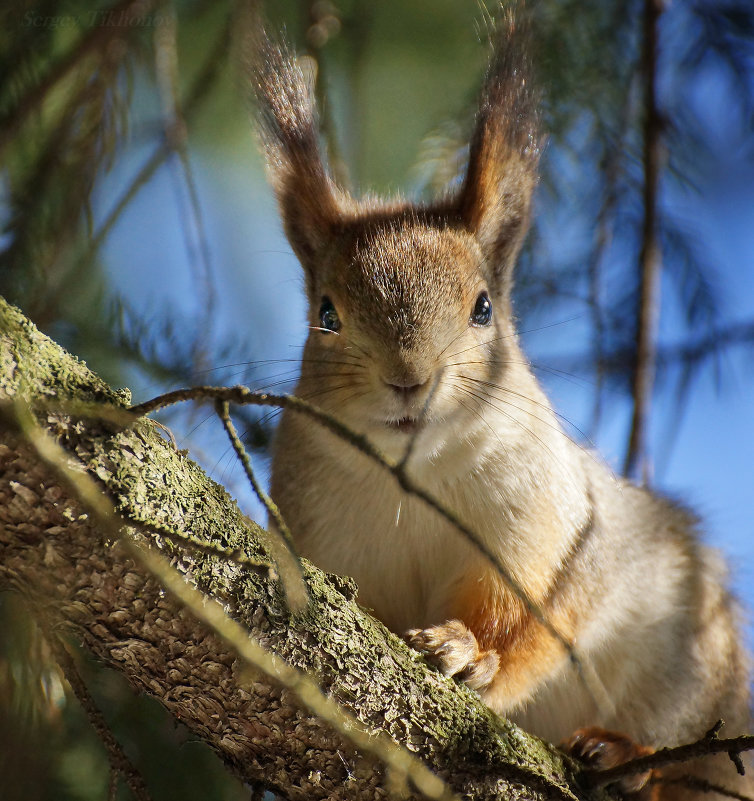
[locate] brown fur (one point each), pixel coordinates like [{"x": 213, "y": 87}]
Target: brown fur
[
  {"x": 602, "y": 749},
  {"x": 616, "y": 569},
  {"x": 500, "y": 622}
]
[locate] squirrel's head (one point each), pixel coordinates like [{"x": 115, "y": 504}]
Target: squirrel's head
[{"x": 409, "y": 304}]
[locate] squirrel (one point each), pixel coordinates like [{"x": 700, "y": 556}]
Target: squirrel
[{"x": 413, "y": 344}]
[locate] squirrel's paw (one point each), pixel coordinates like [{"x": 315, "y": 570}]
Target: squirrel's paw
[
  {"x": 600, "y": 749},
  {"x": 454, "y": 649}
]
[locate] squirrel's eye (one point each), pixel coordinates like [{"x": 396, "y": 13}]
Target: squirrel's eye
[
  {"x": 328, "y": 317},
  {"x": 482, "y": 314}
]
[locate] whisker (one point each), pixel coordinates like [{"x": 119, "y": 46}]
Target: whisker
[
  {"x": 481, "y": 345},
  {"x": 541, "y": 405},
  {"x": 323, "y": 330},
  {"x": 513, "y": 418},
  {"x": 513, "y": 334},
  {"x": 227, "y": 470},
  {"x": 425, "y": 407},
  {"x": 462, "y": 330},
  {"x": 255, "y": 362},
  {"x": 358, "y": 394},
  {"x": 295, "y": 371},
  {"x": 325, "y": 390},
  {"x": 324, "y": 376},
  {"x": 359, "y": 350},
  {"x": 194, "y": 428},
  {"x": 291, "y": 372},
  {"x": 522, "y": 409},
  {"x": 488, "y": 362},
  {"x": 564, "y": 374},
  {"x": 478, "y": 414},
  {"x": 552, "y": 325},
  {"x": 307, "y": 397},
  {"x": 250, "y": 363},
  {"x": 573, "y": 378},
  {"x": 247, "y": 379},
  {"x": 270, "y": 385},
  {"x": 267, "y": 416}
]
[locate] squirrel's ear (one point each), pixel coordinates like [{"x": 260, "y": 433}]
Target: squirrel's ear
[
  {"x": 495, "y": 197},
  {"x": 310, "y": 202}
]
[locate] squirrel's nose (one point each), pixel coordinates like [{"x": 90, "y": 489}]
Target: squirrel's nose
[{"x": 406, "y": 388}]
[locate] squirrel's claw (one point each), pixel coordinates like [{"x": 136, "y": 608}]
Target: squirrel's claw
[
  {"x": 453, "y": 648},
  {"x": 601, "y": 749}
]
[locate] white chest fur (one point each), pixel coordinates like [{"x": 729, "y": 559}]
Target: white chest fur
[{"x": 350, "y": 516}]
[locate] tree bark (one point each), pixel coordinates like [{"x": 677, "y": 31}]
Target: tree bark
[{"x": 83, "y": 583}]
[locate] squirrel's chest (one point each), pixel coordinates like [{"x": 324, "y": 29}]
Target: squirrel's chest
[{"x": 353, "y": 519}]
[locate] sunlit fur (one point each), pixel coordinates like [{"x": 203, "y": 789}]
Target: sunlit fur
[{"x": 616, "y": 569}]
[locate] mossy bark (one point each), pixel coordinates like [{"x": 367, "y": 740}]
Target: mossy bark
[{"x": 51, "y": 552}]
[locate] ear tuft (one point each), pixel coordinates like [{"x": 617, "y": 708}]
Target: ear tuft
[
  {"x": 308, "y": 198},
  {"x": 495, "y": 198}
]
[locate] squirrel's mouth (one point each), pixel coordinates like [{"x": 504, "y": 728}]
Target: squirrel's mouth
[{"x": 406, "y": 425}]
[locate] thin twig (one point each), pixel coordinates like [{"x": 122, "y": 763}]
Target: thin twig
[
  {"x": 223, "y": 412},
  {"x": 242, "y": 395},
  {"x": 199, "y": 90},
  {"x": 289, "y": 564},
  {"x": 119, "y": 761},
  {"x": 191, "y": 543},
  {"x": 705, "y": 746},
  {"x": 71, "y": 154},
  {"x": 688, "y": 353},
  {"x": 314, "y": 48},
  {"x": 176, "y": 135},
  {"x": 101, "y": 509},
  {"x": 701, "y": 786},
  {"x": 112, "y": 790},
  {"x": 119, "y": 417},
  {"x": 637, "y": 463},
  {"x": 422, "y": 417}
]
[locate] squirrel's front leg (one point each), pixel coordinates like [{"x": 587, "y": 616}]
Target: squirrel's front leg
[
  {"x": 505, "y": 674},
  {"x": 493, "y": 643}
]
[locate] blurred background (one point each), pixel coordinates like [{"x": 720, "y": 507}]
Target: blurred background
[{"x": 138, "y": 231}]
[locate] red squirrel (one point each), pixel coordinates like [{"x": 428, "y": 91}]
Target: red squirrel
[{"x": 413, "y": 343}]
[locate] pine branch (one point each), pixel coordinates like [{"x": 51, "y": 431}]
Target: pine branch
[
  {"x": 120, "y": 764},
  {"x": 637, "y": 463},
  {"x": 242, "y": 395},
  {"x": 97, "y": 38}
]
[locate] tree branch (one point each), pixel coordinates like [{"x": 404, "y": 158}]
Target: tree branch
[
  {"x": 75, "y": 576},
  {"x": 650, "y": 260},
  {"x": 120, "y": 764}
]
